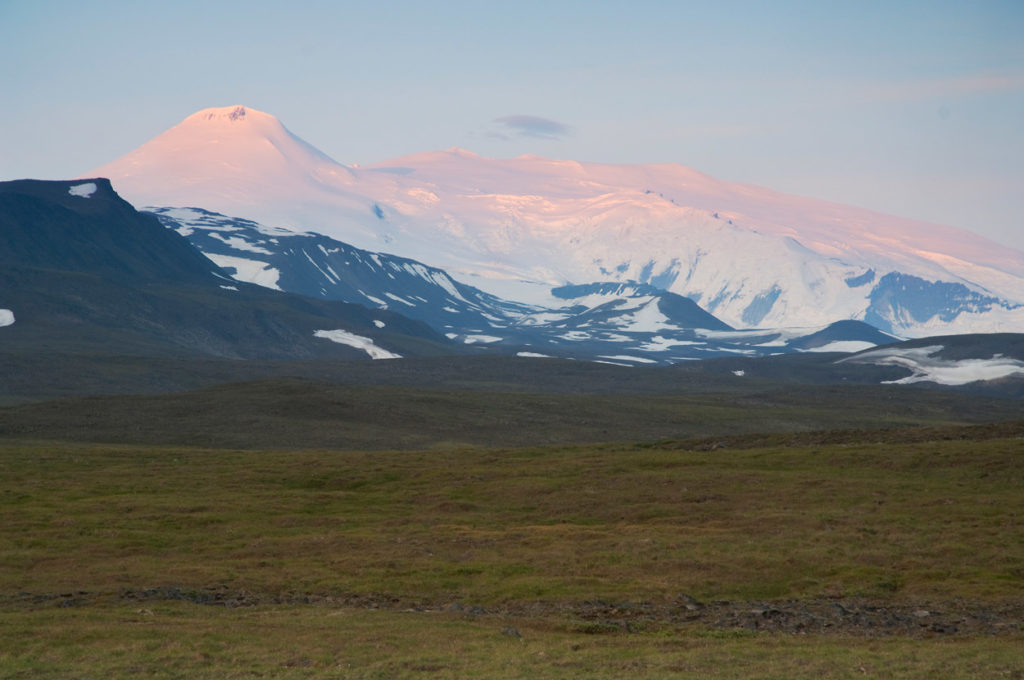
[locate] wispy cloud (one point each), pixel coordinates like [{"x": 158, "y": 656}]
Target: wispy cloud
[{"x": 521, "y": 125}]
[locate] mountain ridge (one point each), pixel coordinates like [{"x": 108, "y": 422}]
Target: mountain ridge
[
  {"x": 82, "y": 271},
  {"x": 622, "y": 321},
  {"x": 518, "y": 227}
]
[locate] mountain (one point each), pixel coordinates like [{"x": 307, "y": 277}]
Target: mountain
[
  {"x": 321, "y": 267},
  {"x": 626, "y": 322},
  {"x": 82, "y": 271},
  {"x": 517, "y": 228}
]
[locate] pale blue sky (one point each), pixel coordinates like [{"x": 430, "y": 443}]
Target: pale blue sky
[{"x": 912, "y": 108}]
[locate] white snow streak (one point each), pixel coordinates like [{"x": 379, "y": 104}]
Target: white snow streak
[
  {"x": 843, "y": 346},
  {"x": 471, "y": 339},
  {"x": 398, "y": 299},
  {"x": 359, "y": 342},
  {"x": 626, "y": 357},
  {"x": 326, "y": 275},
  {"x": 380, "y": 303}
]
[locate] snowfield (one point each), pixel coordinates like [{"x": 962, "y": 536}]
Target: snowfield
[
  {"x": 928, "y": 368},
  {"x": 83, "y": 190},
  {"x": 6, "y": 318},
  {"x": 249, "y": 271},
  {"x": 343, "y": 337}
]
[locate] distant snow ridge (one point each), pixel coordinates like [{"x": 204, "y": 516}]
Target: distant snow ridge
[{"x": 359, "y": 342}]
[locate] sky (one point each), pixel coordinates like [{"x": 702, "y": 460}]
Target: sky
[{"x": 910, "y": 108}]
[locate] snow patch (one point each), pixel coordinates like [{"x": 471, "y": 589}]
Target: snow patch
[
  {"x": 378, "y": 323},
  {"x": 83, "y": 190},
  {"x": 739, "y": 373},
  {"x": 928, "y": 368},
  {"x": 359, "y": 342},
  {"x": 239, "y": 244},
  {"x": 533, "y": 355},
  {"x": 381, "y": 303},
  {"x": 6, "y": 318},
  {"x": 229, "y": 287},
  {"x": 471, "y": 339},
  {"x": 250, "y": 271},
  {"x": 626, "y": 357},
  {"x": 662, "y": 344},
  {"x": 843, "y": 346}
]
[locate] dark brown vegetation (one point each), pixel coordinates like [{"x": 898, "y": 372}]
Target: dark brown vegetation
[{"x": 299, "y": 413}]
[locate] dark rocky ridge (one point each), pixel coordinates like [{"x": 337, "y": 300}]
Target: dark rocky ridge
[{"x": 91, "y": 274}]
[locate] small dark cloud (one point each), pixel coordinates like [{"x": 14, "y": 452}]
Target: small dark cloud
[{"x": 520, "y": 125}]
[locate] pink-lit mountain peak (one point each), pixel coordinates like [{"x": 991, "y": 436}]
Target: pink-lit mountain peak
[
  {"x": 231, "y": 114},
  {"x": 227, "y": 157},
  {"x": 234, "y": 138},
  {"x": 792, "y": 260}
]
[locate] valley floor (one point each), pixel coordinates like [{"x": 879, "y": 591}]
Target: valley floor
[{"x": 830, "y": 557}]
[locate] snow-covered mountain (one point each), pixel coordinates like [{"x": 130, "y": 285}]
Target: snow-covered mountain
[
  {"x": 628, "y": 323},
  {"x": 519, "y": 227},
  {"x": 318, "y": 266}
]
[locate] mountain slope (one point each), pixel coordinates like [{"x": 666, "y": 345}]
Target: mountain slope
[
  {"x": 749, "y": 256},
  {"x": 622, "y": 322},
  {"x": 321, "y": 267},
  {"x": 73, "y": 227},
  {"x": 83, "y": 271}
]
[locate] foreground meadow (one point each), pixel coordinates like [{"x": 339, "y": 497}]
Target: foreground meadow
[{"x": 832, "y": 560}]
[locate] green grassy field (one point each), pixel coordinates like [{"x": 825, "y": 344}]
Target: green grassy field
[{"x": 840, "y": 559}]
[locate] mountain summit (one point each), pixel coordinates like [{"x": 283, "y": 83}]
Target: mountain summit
[
  {"x": 249, "y": 148},
  {"x": 522, "y": 226}
]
